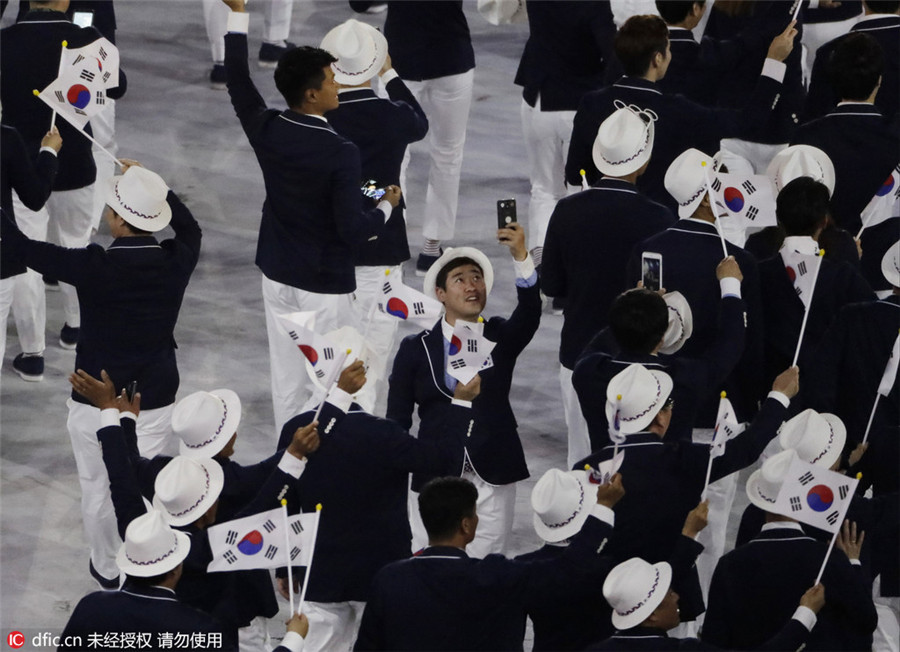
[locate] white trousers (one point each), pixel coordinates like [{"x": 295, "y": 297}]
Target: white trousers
[
  {"x": 333, "y": 626},
  {"x": 104, "y": 126},
  {"x": 255, "y": 636},
  {"x": 886, "y": 637},
  {"x": 446, "y": 102},
  {"x": 7, "y": 289},
  {"x": 579, "y": 440},
  {"x": 154, "y": 428},
  {"x": 380, "y": 333},
  {"x": 276, "y": 25},
  {"x": 291, "y": 384},
  {"x": 547, "y": 135}
]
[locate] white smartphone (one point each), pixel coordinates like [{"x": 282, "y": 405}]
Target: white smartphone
[{"x": 651, "y": 270}]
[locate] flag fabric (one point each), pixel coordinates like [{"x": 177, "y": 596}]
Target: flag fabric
[
  {"x": 319, "y": 351},
  {"x": 258, "y": 541},
  {"x": 801, "y": 270},
  {"x": 607, "y": 469},
  {"x": 890, "y": 371},
  {"x": 885, "y": 203},
  {"x": 814, "y": 495},
  {"x": 727, "y": 427},
  {"x": 100, "y": 57},
  {"x": 749, "y": 199},
  {"x": 407, "y": 304},
  {"x": 615, "y": 432},
  {"x": 470, "y": 351}
]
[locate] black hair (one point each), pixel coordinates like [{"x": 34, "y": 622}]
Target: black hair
[
  {"x": 802, "y": 206},
  {"x": 441, "y": 280},
  {"x": 300, "y": 70},
  {"x": 855, "y": 66},
  {"x": 638, "y": 319},
  {"x": 638, "y": 41},
  {"x": 135, "y": 230},
  {"x": 675, "y": 11},
  {"x": 883, "y": 6},
  {"x": 153, "y": 580},
  {"x": 444, "y": 503}
]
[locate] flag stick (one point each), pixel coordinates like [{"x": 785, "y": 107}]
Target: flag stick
[
  {"x": 827, "y": 555},
  {"x": 712, "y": 203},
  {"x": 708, "y": 472},
  {"x": 335, "y": 373},
  {"x": 584, "y": 183},
  {"x": 794, "y": 18},
  {"x": 287, "y": 550},
  {"x": 86, "y": 135},
  {"x": 865, "y": 224},
  {"x": 806, "y": 311},
  {"x": 871, "y": 417},
  {"x": 616, "y": 426},
  {"x": 311, "y": 554},
  {"x": 62, "y": 53}
]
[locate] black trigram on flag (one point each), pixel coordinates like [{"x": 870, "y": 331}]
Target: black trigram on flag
[
  {"x": 796, "y": 506},
  {"x": 752, "y": 212},
  {"x": 801, "y": 267},
  {"x": 386, "y": 288},
  {"x": 749, "y": 187},
  {"x": 328, "y": 353},
  {"x": 843, "y": 490},
  {"x": 106, "y": 76},
  {"x": 60, "y": 97},
  {"x": 457, "y": 364},
  {"x": 296, "y": 527},
  {"x": 472, "y": 346},
  {"x": 419, "y": 308},
  {"x": 102, "y": 53},
  {"x": 271, "y": 551},
  {"x": 294, "y": 335},
  {"x": 294, "y": 552},
  {"x": 806, "y": 478},
  {"x": 87, "y": 75},
  {"x": 78, "y": 60},
  {"x": 230, "y": 557},
  {"x": 79, "y": 111},
  {"x": 833, "y": 517},
  {"x": 100, "y": 98},
  {"x": 320, "y": 374},
  {"x": 231, "y": 537},
  {"x": 716, "y": 184},
  {"x": 268, "y": 526}
]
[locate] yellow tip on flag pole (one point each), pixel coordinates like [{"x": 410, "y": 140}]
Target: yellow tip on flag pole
[
  {"x": 618, "y": 397},
  {"x": 480, "y": 319},
  {"x": 318, "y": 507},
  {"x": 284, "y": 502},
  {"x": 587, "y": 467},
  {"x": 387, "y": 272},
  {"x": 65, "y": 44},
  {"x": 349, "y": 351},
  {"x": 584, "y": 183},
  {"x": 722, "y": 394},
  {"x": 859, "y": 476}
]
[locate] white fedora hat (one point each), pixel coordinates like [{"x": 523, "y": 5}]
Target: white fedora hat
[
  {"x": 205, "y": 421},
  {"x": 681, "y": 322},
  {"x": 624, "y": 140},
  {"x": 801, "y": 161},
  {"x": 186, "y": 488},
  {"x": 890, "y": 265},
  {"x": 452, "y": 254},
  {"x": 643, "y": 391},
  {"x": 360, "y": 50},
  {"x": 764, "y": 484},
  {"x": 151, "y": 546},
  {"x": 817, "y": 437},
  {"x": 562, "y": 501},
  {"x": 685, "y": 180},
  {"x": 634, "y": 589},
  {"x": 139, "y": 198}
]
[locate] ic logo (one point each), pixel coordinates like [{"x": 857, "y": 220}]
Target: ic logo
[{"x": 15, "y": 640}]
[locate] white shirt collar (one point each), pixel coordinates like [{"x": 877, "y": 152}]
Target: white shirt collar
[
  {"x": 854, "y": 103},
  {"x": 446, "y": 328},
  {"x": 875, "y": 17},
  {"x": 802, "y": 244},
  {"x": 320, "y": 117},
  {"x": 781, "y": 525}
]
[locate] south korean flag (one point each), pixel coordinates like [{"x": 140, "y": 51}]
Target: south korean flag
[
  {"x": 407, "y": 304},
  {"x": 802, "y": 270},
  {"x": 814, "y": 495},
  {"x": 259, "y": 541},
  {"x": 748, "y": 200},
  {"x": 885, "y": 203},
  {"x": 469, "y": 352},
  {"x": 320, "y": 352}
]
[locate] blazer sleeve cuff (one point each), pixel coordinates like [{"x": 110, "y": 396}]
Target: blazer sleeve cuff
[
  {"x": 774, "y": 69},
  {"x": 806, "y": 617},
  {"x": 48, "y": 149},
  {"x": 238, "y": 23},
  {"x": 109, "y": 417},
  {"x": 291, "y": 465}
]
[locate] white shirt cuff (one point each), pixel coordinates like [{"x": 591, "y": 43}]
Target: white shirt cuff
[
  {"x": 48, "y": 149},
  {"x": 462, "y": 403},
  {"x": 524, "y": 268},
  {"x": 389, "y": 76},
  {"x": 127, "y": 415},
  {"x": 813, "y": 4},
  {"x": 293, "y": 641},
  {"x": 604, "y": 513},
  {"x": 291, "y": 465},
  {"x": 806, "y": 616},
  {"x": 340, "y": 399},
  {"x": 731, "y": 287},
  {"x": 238, "y": 23},
  {"x": 781, "y": 398},
  {"x": 855, "y": 562},
  {"x": 385, "y": 207},
  {"x": 774, "y": 69},
  {"x": 109, "y": 417}
]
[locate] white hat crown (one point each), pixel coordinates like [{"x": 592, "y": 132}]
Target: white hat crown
[
  {"x": 685, "y": 180},
  {"x": 764, "y": 484},
  {"x": 817, "y": 438},
  {"x": 624, "y": 140},
  {"x": 451, "y": 254},
  {"x": 186, "y": 488},
  {"x": 561, "y": 503},
  {"x": 205, "y": 421},
  {"x": 360, "y": 50},
  {"x": 151, "y": 546},
  {"x": 643, "y": 392},
  {"x": 634, "y": 589},
  {"x": 801, "y": 161},
  {"x": 681, "y": 323},
  {"x": 139, "y": 197},
  {"x": 890, "y": 265}
]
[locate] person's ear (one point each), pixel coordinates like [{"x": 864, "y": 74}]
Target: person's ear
[{"x": 440, "y": 293}]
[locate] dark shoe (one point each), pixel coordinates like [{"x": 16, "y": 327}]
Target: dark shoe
[
  {"x": 68, "y": 337},
  {"x": 424, "y": 263},
  {"x": 557, "y": 306},
  {"x": 269, "y": 53},
  {"x": 50, "y": 284},
  {"x": 30, "y": 368},
  {"x": 217, "y": 77},
  {"x": 105, "y": 584}
]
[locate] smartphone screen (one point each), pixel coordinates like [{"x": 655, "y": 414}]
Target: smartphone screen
[
  {"x": 506, "y": 212},
  {"x": 651, "y": 270},
  {"x": 83, "y": 18}
]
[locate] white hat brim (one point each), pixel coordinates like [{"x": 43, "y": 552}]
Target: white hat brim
[
  {"x": 232, "y": 421},
  {"x": 170, "y": 561},
  {"x": 889, "y": 265},
  {"x": 753, "y": 493},
  {"x": 679, "y": 306},
  {"x": 840, "y": 438},
  {"x": 772, "y": 170},
  {"x": 429, "y": 284},
  {"x": 153, "y": 224},
  {"x": 643, "y": 612},
  {"x": 629, "y": 166},
  {"x": 570, "y": 529},
  {"x": 374, "y": 59},
  {"x": 640, "y": 424},
  {"x": 216, "y": 482}
]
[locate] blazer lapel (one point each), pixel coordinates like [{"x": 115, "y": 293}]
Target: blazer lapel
[{"x": 434, "y": 350}]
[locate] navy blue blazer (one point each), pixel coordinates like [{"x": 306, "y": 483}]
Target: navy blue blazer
[
  {"x": 313, "y": 219},
  {"x": 137, "y": 609},
  {"x": 585, "y": 252},
  {"x": 691, "y": 250},
  {"x": 676, "y": 130},
  {"x": 789, "y": 638},
  {"x": 569, "y": 45},
  {"x": 31, "y": 178},
  {"x": 360, "y": 475},
  {"x": 130, "y": 295},
  {"x": 426, "y": 39},
  {"x": 29, "y": 59},
  {"x": 444, "y": 600},
  {"x": 382, "y": 129},
  {"x": 492, "y": 439},
  {"x": 757, "y": 586},
  {"x": 886, "y": 30},
  {"x": 665, "y": 480},
  {"x": 693, "y": 378},
  {"x": 837, "y": 285}
]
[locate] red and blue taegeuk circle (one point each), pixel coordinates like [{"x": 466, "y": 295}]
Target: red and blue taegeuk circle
[
  {"x": 734, "y": 199},
  {"x": 887, "y": 186},
  {"x": 310, "y": 354},
  {"x": 820, "y": 498},
  {"x": 251, "y": 544},
  {"x": 397, "y": 308},
  {"x": 78, "y": 96},
  {"x": 455, "y": 345}
]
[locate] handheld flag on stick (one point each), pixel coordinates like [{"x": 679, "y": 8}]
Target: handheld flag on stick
[
  {"x": 887, "y": 383},
  {"x": 727, "y": 428},
  {"x": 713, "y": 202},
  {"x": 805, "y": 291},
  {"x": 470, "y": 351},
  {"x": 312, "y": 550},
  {"x": 883, "y": 204},
  {"x": 332, "y": 380},
  {"x": 256, "y": 541},
  {"x": 615, "y": 431},
  {"x": 605, "y": 470},
  {"x": 287, "y": 546},
  {"x": 319, "y": 351},
  {"x": 405, "y": 303},
  {"x": 62, "y": 63},
  {"x": 750, "y": 200}
]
